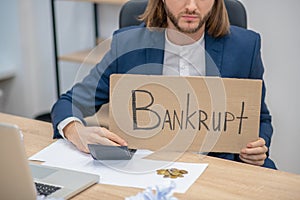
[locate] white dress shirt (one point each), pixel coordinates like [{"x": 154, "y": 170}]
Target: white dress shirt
[
  {"x": 64, "y": 123},
  {"x": 185, "y": 60}
]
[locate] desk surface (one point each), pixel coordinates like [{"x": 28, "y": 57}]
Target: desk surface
[{"x": 221, "y": 180}]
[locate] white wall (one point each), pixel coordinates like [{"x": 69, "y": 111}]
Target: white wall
[
  {"x": 26, "y": 44},
  {"x": 278, "y": 23}
]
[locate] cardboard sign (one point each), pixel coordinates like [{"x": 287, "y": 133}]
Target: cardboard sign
[{"x": 203, "y": 114}]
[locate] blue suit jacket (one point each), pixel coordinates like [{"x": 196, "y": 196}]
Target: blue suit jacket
[{"x": 136, "y": 50}]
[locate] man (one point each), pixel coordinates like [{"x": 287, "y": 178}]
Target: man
[{"x": 234, "y": 51}]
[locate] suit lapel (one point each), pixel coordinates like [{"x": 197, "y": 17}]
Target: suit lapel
[
  {"x": 214, "y": 53},
  {"x": 155, "y": 54}
]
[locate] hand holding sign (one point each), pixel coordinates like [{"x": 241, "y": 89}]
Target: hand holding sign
[{"x": 255, "y": 152}]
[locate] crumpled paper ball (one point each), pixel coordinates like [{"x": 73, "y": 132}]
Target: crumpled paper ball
[
  {"x": 160, "y": 193},
  {"x": 44, "y": 198}
]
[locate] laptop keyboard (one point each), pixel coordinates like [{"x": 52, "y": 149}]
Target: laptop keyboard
[{"x": 45, "y": 189}]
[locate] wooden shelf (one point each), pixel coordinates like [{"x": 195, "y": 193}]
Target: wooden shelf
[
  {"x": 83, "y": 56},
  {"x": 99, "y": 40},
  {"x": 89, "y": 56},
  {"x": 115, "y": 2},
  {"x": 7, "y": 73}
]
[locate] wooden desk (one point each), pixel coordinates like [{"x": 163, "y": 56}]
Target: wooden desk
[{"x": 221, "y": 180}]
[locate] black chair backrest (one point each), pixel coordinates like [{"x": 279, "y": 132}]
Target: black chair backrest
[
  {"x": 236, "y": 13},
  {"x": 133, "y": 8}
]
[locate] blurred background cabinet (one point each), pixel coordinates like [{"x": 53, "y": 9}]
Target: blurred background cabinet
[
  {"x": 84, "y": 54},
  {"x": 79, "y": 55}
]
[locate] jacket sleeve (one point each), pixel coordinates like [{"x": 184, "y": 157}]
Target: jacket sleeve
[
  {"x": 86, "y": 97},
  {"x": 257, "y": 71}
]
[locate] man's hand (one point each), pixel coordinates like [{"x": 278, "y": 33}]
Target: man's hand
[
  {"x": 80, "y": 136},
  {"x": 255, "y": 152}
]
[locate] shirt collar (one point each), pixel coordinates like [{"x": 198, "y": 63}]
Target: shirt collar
[{"x": 178, "y": 48}]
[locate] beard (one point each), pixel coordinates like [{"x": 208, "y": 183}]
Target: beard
[{"x": 175, "y": 20}]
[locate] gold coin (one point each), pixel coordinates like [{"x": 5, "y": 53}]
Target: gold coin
[
  {"x": 173, "y": 170},
  {"x": 160, "y": 171},
  {"x": 172, "y": 176},
  {"x": 182, "y": 171},
  {"x": 167, "y": 173},
  {"x": 176, "y": 173},
  {"x": 171, "y": 173}
]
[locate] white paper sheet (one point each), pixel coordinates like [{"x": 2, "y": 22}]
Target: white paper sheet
[{"x": 137, "y": 172}]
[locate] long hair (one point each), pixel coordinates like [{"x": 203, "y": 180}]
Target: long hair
[{"x": 217, "y": 24}]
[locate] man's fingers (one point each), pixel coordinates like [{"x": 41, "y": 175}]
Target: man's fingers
[
  {"x": 258, "y": 143},
  {"x": 95, "y": 135},
  {"x": 115, "y": 139},
  {"x": 106, "y": 141},
  {"x": 257, "y": 157},
  {"x": 81, "y": 146},
  {"x": 253, "y": 162},
  {"x": 255, "y": 151},
  {"x": 85, "y": 149}
]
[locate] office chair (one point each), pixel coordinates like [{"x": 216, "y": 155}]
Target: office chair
[{"x": 133, "y": 8}]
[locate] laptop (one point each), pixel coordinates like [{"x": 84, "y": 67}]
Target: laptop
[{"x": 20, "y": 179}]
